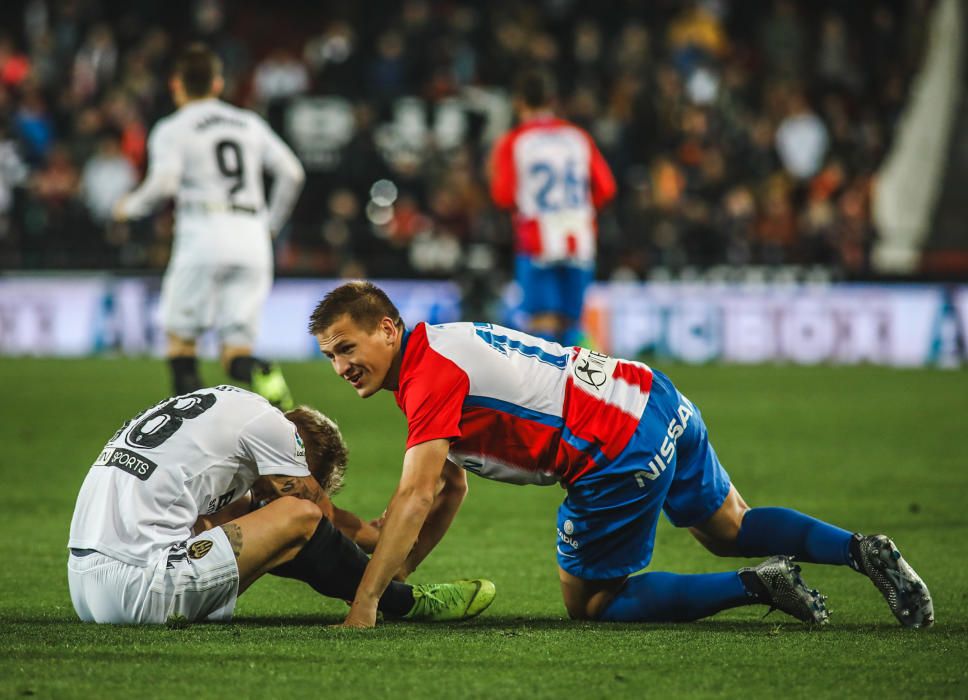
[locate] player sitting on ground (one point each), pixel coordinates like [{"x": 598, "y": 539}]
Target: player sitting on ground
[
  {"x": 621, "y": 439},
  {"x": 162, "y": 527},
  {"x": 210, "y": 156}
]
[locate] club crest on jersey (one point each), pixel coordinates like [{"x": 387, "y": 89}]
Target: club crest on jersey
[{"x": 199, "y": 548}]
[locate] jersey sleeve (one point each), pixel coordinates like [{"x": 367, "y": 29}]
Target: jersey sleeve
[
  {"x": 503, "y": 174},
  {"x": 289, "y": 176},
  {"x": 273, "y": 443},
  {"x": 432, "y": 397},
  {"x": 164, "y": 173},
  {"x": 602, "y": 183}
]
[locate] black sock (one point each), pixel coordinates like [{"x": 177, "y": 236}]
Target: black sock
[
  {"x": 184, "y": 374},
  {"x": 242, "y": 367},
  {"x": 333, "y": 565}
]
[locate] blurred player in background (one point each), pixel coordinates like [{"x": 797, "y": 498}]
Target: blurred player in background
[
  {"x": 616, "y": 434},
  {"x": 166, "y": 526},
  {"x": 210, "y": 156},
  {"x": 552, "y": 177}
]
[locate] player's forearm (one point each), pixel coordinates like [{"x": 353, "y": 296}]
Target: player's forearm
[
  {"x": 405, "y": 517},
  {"x": 234, "y": 510},
  {"x": 441, "y": 515},
  {"x": 285, "y": 192},
  {"x": 362, "y": 533},
  {"x": 141, "y": 202}
]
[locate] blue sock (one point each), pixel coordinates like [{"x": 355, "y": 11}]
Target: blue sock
[
  {"x": 768, "y": 531},
  {"x": 664, "y": 597}
]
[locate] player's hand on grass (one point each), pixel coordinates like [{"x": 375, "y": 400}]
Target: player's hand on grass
[{"x": 360, "y": 617}]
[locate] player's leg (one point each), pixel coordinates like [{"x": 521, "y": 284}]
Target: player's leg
[
  {"x": 240, "y": 299},
  {"x": 540, "y": 297},
  {"x": 183, "y": 365},
  {"x": 270, "y": 536},
  {"x": 185, "y": 311},
  {"x": 606, "y": 531},
  {"x": 575, "y": 282},
  {"x": 333, "y": 566},
  {"x": 735, "y": 529}
]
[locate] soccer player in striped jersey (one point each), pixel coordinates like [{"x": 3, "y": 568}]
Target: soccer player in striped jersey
[
  {"x": 616, "y": 434},
  {"x": 553, "y": 179}
]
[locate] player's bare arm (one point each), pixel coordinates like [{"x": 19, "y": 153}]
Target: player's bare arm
[
  {"x": 361, "y": 532},
  {"x": 235, "y": 509},
  {"x": 406, "y": 515},
  {"x": 450, "y": 496},
  {"x": 269, "y": 488}
]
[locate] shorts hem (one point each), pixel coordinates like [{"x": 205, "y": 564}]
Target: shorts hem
[
  {"x": 698, "y": 520},
  {"x": 591, "y": 574}
]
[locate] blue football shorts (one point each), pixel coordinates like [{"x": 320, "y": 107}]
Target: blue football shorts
[
  {"x": 557, "y": 288},
  {"x": 607, "y": 522}
]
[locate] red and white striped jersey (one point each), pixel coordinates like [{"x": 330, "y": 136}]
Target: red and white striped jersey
[
  {"x": 517, "y": 408},
  {"x": 552, "y": 176}
]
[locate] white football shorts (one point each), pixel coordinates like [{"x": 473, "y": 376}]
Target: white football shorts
[
  {"x": 226, "y": 298},
  {"x": 193, "y": 580}
]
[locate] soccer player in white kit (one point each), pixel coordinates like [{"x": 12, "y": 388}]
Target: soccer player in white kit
[
  {"x": 210, "y": 156},
  {"x": 164, "y": 526}
]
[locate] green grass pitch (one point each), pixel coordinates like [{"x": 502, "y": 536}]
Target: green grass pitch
[{"x": 868, "y": 448}]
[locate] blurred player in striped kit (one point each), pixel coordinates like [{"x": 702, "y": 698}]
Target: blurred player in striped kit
[
  {"x": 550, "y": 174},
  {"x": 210, "y": 156}
]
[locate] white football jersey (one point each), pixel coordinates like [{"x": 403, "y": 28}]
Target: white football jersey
[
  {"x": 186, "y": 456},
  {"x": 210, "y": 156}
]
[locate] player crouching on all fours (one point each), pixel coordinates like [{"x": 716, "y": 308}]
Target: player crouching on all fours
[
  {"x": 210, "y": 156},
  {"x": 164, "y": 526},
  {"x": 616, "y": 434}
]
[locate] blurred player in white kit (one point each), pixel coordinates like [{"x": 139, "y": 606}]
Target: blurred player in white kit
[{"x": 210, "y": 156}]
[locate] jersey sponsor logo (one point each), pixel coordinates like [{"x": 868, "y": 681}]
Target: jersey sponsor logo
[
  {"x": 575, "y": 544},
  {"x": 127, "y": 461},
  {"x": 591, "y": 369},
  {"x": 594, "y": 371},
  {"x": 677, "y": 426},
  {"x": 199, "y": 548},
  {"x": 566, "y": 554}
]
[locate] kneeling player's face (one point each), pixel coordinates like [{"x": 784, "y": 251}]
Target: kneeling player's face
[{"x": 361, "y": 357}]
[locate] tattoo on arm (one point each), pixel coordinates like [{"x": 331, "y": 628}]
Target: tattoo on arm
[
  {"x": 269, "y": 488},
  {"x": 234, "y": 533}
]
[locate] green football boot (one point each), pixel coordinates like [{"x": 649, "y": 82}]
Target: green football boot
[
  {"x": 447, "y": 602},
  {"x": 272, "y": 386}
]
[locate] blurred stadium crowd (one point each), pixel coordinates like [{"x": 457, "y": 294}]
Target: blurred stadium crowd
[{"x": 740, "y": 133}]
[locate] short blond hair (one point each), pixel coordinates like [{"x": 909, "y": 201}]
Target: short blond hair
[{"x": 326, "y": 452}]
